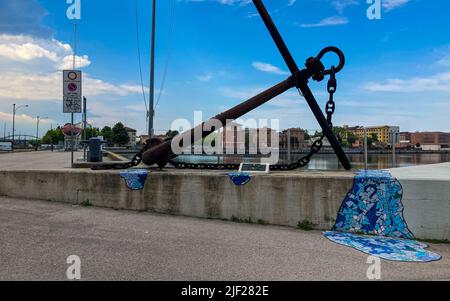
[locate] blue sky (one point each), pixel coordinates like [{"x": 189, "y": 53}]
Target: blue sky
[{"x": 398, "y": 68}]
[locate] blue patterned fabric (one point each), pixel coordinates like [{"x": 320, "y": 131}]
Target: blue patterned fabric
[
  {"x": 240, "y": 178},
  {"x": 385, "y": 247},
  {"x": 373, "y": 206},
  {"x": 135, "y": 179}
]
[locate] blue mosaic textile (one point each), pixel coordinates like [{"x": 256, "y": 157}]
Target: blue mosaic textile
[
  {"x": 373, "y": 206},
  {"x": 135, "y": 179},
  {"x": 385, "y": 247},
  {"x": 240, "y": 178}
]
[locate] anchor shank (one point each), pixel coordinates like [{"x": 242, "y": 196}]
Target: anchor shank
[{"x": 162, "y": 153}]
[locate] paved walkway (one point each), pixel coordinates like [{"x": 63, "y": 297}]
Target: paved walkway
[
  {"x": 36, "y": 160},
  {"x": 37, "y": 237},
  {"x": 423, "y": 172},
  {"x": 47, "y": 160}
]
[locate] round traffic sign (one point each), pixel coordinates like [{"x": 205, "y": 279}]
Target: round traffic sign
[
  {"x": 72, "y": 75},
  {"x": 72, "y": 87}
]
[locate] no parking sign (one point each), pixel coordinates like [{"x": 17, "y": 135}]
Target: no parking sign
[{"x": 72, "y": 102}]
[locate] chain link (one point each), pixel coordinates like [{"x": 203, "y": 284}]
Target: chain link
[{"x": 135, "y": 161}]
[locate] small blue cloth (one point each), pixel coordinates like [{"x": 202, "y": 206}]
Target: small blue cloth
[
  {"x": 374, "y": 206},
  {"x": 385, "y": 247},
  {"x": 135, "y": 179},
  {"x": 240, "y": 178}
]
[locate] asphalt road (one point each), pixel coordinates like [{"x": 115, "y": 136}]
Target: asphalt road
[{"x": 37, "y": 237}]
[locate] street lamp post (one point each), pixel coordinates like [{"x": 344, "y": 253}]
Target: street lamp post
[
  {"x": 51, "y": 131},
  {"x": 38, "y": 118},
  {"x": 15, "y": 109}
]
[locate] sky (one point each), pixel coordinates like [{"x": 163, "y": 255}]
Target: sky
[{"x": 217, "y": 53}]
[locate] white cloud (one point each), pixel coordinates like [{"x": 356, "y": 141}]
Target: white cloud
[
  {"x": 393, "y": 4},
  {"x": 444, "y": 61},
  {"x": 331, "y": 21},
  {"x": 27, "y": 49},
  {"x": 436, "y": 83},
  {"x": 226, "y": 2},
  {"x": 235, "y": 2},
  {"x": 22, "y": 118},
  {"x": 340, "y": 5},
  {"x": 265, "y": 67},
  {"x": 80, "y": 62},
  {"x": 444, "y": 56},
  {"x": 31, "y": 70},
  {"x": 46, "y": 87},
  {"x": 205, "y": 77}
]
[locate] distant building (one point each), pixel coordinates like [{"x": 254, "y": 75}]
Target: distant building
[
  {"x": 294, "y": 136},
  {"x": 385, "y": 133},
  {"x": 266, "y": 137},
  {"x": 237, "y": 140},
  {"x": 233, "y": 138},
  {"x": 142, "y": 138},
  {"x": 430, "y": 140},
  {"x": 132, "y": 135}
]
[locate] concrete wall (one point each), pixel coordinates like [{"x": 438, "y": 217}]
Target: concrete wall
[
  {"x": 276, "y": 199},
  {"x": 427, "y": 207},
  {"x": 280, "y": 199}
]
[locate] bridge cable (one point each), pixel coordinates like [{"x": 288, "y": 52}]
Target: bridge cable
[
  {"x": 138, "y": 43},
  {"x": 168, "y": 50}
]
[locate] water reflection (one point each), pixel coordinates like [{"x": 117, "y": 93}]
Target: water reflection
[{"x": 330, "y": 161}]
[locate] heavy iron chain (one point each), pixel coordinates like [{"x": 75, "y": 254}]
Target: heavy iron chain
[
  {"x": 135, "y": 161},
  {"x": 330, "y": 108}
]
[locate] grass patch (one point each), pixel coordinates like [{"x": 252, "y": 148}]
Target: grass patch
[
  {"x": 305, "y": 225},
  {"x": 242, "y": 221},
  {"x": 262, "y": 222},
  {"x": 86, "y": 203},
  {"x": 435, "y": 241}
]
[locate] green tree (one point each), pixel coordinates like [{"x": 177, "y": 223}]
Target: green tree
[
  {"x": 54, "y": 136},
  {"x": 120, "y": 135},
  {"x": 341, "y": 133},
  {"x": 107, "y": 133},
  {"x": 307, "y": 135},
  {"x": 317, "y": 134},
  {"x": 351, "y": 138},
  {"x": 374, "y": 137},
  {"x": 92, "y": 133}
]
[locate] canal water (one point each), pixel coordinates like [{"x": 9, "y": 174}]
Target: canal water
[{"x": 329, "y": 161}]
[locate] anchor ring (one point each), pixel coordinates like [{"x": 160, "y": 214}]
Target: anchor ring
[{"x": 336, "y": 51}]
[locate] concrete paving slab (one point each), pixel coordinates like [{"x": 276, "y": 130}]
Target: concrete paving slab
[
  {"x": 37, "y": 237},
  {"x": 423, "y": 172}
]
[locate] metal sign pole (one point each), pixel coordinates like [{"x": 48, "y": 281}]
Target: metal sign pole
[
  {"x": 365, "y": 150},
  {"x": 394, "y": 140},
  {"x": 72, "y": 114},
  {"x": 72, "y": 142},
  {"x": 84, "y": 127},
  {"x": 289, "y": 145}
]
